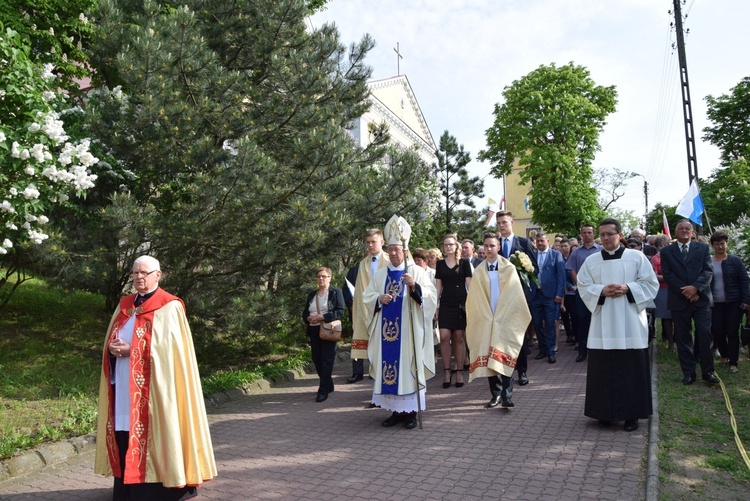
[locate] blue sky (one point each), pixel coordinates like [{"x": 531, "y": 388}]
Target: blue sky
[{"x": 459, "y": 55}]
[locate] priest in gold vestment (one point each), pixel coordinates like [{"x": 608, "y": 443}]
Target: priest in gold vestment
[{"x": 152, "y": 432}]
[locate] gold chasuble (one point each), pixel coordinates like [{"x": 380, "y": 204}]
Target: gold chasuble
[
  {"x": 361, "y": 319},
  {"x": 169, "y": 439},
  {"x": 495, "y": 340}
]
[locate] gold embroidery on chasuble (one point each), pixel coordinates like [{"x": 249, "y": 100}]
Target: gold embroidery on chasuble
[
  {"x": 394, "y": 287},
  {"x": 390, "y": 373},
  {"x": 391, "y": 329}
]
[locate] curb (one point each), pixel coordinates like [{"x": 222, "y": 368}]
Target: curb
[
  {"x": 652, "y": 468},
  {"x": 56, "y": 452}
]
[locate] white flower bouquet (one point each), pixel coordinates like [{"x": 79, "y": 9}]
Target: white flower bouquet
[{"x": 524, "y": 267}]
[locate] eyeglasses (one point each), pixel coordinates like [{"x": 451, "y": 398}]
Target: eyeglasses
[{"x": 142, "y": 273}]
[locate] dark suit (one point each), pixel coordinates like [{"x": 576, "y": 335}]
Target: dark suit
[
  {"x": 544, "y": 310},
  {"x": 524, "y": 245},
  {"x": 695, "y": 270},
  {"x": 324, "y": 352}
]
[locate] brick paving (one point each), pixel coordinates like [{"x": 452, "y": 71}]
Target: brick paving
[{"x": 281, "y": 444}]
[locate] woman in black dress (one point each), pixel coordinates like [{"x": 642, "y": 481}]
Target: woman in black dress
[
  {"x": 323, "y": 305},
  {"x": 452, "y": 279}
]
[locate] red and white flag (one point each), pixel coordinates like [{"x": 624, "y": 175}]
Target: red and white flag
[{"x": 665, "y": 223}]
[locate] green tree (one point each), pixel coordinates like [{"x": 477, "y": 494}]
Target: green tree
[
  {"x": 655, "y": 220},
  {"x": 551, "y": 120},
  {"x": 458, "y": 189},
  {"x": 730, "y": 114},
  {"x": 726, "y": 193},
  {"x": 226, "y": 128}
]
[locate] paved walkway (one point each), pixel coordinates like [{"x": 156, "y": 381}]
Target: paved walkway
[{"x": 281, "y": 444}]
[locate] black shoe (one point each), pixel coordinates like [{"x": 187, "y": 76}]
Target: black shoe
[
  {"x": 448, "y": 384},
  {"x": 539, "y": 356},
  {"x": 371, "y": 405},
  {"x": 507, "y": 403},
  {"x": 528, "y": 350},
  {"x": 494, "y": 402},
  {"x": 354, "y": 378},
  {"x": 631, "y": 425},
  {"x": 571, "y": 340},
  {"x": 580, "y": 358},
  {"x": 410, "y": 421},
  {"x": 551, "y": 359},
  {"x": 710, "y": 377},
  {"x": 393, "y": 420},
  {"x": 689, "y": 379},
  {"x": 321, "y": 397},
  {"x": 523, "y": 379},
  {"x": 330, "y": 388},
  {"x": 604, "y": 423}
]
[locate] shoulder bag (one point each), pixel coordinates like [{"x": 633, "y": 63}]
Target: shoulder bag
[{"x": 329, "y": 331}]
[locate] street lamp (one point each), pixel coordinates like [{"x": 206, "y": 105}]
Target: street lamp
[{"x": 645, "y": 194}]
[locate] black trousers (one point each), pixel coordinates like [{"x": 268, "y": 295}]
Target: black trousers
[
  {"x": 501, "y": 386},
  {"x": 725, "y": 329},
  {"x": 323, "y": 356},
  {"x": 145, "y": 491},
  {"x": 683, "y": 320}
]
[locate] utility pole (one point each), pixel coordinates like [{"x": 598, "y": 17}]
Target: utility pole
[{"x": 686, "y": 104}]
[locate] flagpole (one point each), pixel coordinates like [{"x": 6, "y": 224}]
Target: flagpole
[{"x": 411, "y": 335}]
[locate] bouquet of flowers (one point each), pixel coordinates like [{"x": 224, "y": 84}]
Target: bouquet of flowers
[{"x": 524, "y": 267}]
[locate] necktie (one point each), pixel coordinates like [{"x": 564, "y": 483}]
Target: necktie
[
  {"x": 684, "y": 252},
  {"x": 374, "y": 258},
  {"x": 492, "y": 267},
  {"x": 506, "y": 248}
]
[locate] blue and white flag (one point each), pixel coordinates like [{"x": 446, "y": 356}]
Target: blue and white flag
[{"x": 691, "y": 205}]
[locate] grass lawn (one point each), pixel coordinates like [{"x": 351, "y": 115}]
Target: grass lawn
[
  {"x": 50, "y": 361},
  {"x": 698, "y": 456}
]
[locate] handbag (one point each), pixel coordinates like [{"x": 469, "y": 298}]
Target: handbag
[{"x": 329, "y": 331}]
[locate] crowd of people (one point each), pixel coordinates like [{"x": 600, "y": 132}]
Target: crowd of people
[
  {"x": 482, "y": 307},
  {"x": 479, "y": 307}
]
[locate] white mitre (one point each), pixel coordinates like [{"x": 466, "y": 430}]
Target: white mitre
[{"x": 397, "y": 232}]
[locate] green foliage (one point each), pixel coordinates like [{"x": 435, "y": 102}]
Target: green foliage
[
  {"x": 458, "y": 189},
  {"x": 730, "y": 114},
  {"x": 551, "y": 120},
  {"x": 224, "y": 129},
  {"x": 726, "y": 193},
  {"x": 739, "y": 238},
  {"x": 655, "y": 220}
]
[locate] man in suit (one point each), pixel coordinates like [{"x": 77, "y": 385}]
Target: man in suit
[
  {"x": 686, "y": 267},
  {"x": 648, "y": 250},
  {"x": 376, "y": 259},
  {"x": 467, "y": 252},
  {"x": 574, "y": 263},
  {"x": 509, "y": 244},
  {"x": 547, "y": 297}
]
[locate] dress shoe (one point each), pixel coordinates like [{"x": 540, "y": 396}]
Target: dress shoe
[
  {"x": 354, "y": 378},
  {"x": 507, "y": 403},
  {"x": 371, "y": 405},
  {"x": 580, "y": 358},
  {"x": 571, "y": 340},
  {"x": 710, "y": 377},
  {"x": 603, "y": 423},
  {"x": 494, "y": 402},
  {"x": 321, "y": 397},
  {"x": 393, "y": 420},
  {"x": 631, "y": 425},
  {"x": 689, "y": 379},
  {"x": 539, "y": 356},
  {"x": 523, "y": 379},
  {"x": 551, "y": 359},
  {"x": 410, "y": 421}
]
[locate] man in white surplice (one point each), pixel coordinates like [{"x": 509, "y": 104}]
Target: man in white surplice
[
  {"x": 401, "y": 301},
  {"x": 616, "y": 285}
]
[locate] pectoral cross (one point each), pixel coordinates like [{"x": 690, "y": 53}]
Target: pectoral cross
[{"x": 399, "y": 57}]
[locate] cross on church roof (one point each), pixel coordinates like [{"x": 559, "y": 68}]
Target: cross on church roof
[{"x": 399, "y": 57}]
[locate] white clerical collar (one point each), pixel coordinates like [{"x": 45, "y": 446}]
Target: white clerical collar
[{"x": 401, "y": 266}]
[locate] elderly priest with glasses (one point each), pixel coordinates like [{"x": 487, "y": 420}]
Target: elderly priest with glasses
[{"x": 152, "y": 432}]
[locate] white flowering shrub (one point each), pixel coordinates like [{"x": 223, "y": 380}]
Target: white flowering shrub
[
  {"x": 739, "y": 239},
  {"x": 41, "y": 165}
]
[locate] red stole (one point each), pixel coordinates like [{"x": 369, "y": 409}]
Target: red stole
[{"x": 140, "y": 384}]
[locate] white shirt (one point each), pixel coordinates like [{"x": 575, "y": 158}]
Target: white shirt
[{"x": 494, "y": 286}]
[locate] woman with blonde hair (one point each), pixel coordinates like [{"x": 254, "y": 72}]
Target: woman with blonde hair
[{"x": 452, "y": 280}]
